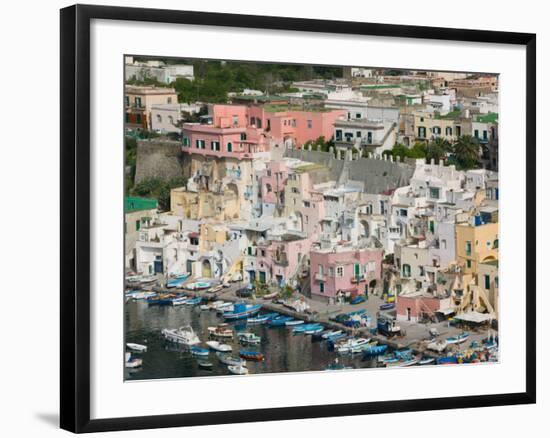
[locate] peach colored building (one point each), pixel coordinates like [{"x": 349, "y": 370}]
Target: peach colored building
[{"x": 139, "y": 101}]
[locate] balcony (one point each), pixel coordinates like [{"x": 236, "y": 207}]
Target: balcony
[
  {"x": 320, "y": 277},
  {"x": 358, "y": 278}
]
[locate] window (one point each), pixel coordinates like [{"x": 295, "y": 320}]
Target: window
[
  {"x": 295, "y": 190},
  {"x": 310, "y": 124},
  {"x": 138, "y": 102},
  {"x": 138, "y": 119},
  {"x": 487, "y": 281},
  {"x": 476, "y": 133},
  {"x": 458, "y": 131},
  {"x": 321, "y": 270},
  {"x": 171, "y": 120},
  {"x": 443, "y": 244},
  {"x": 126, "y": 100},
  {"x": 307, "y": 204},
  {"x": 434, "y": 192},
  {"x": 235, "y": 120},
  {"x": 268, "y": 188},
  {"x": 169, "y": 100},
  {"x": 138, "y": 225},
  {"x": 127, "y": 117},
  {"x": 201, "y": 144},
  {"x": 186, "y": 141},
  {"x": 448, "y": 130},
  {"x": 495, "y": 244},
  {"x": 436, "y": 130},
  {"x": 358, "y": 134},
  {"x": 321, "y": 287},
  {"x": 338, "y": 135},
  {"x": 468, "y": 248},
  {"x": 369, "y": 137},
  {"x": 243, "y": 136},
  {"x": 468, "y": 264},
  {"x": 330, "y": 271},
  {"x": 215, "y": 145},
  {"x": 339, "y": 271},
  {"x": 159, "y": 118},
  {"x": 406, "y": 270},
  {"x": 294, "y": 123},
  {"x": 229, "y": 147},
  {"x": 357, "y": 115},
  {"x": 403, "y": 212}
]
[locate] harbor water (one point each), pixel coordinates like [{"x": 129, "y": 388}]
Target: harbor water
[{"x": 283, "y": 350}]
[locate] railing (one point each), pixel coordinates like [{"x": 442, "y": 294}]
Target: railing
[{"x": 320, "y": 277}]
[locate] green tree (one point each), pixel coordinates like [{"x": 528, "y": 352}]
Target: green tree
[
  {"x": 466, "y": 152},
  {"x": 159, "y": 189},
  {"x": 437, "y": 149}
]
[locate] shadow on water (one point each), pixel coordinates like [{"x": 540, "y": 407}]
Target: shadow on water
[{"x": 283, "y": 351}]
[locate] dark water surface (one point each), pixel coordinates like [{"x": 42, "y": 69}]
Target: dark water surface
[{"x": 283, "y": 351}]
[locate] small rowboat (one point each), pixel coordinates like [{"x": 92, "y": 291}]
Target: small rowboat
[
  {"x": 358, "y": 299},
  {"x": 462, "y": 337},
  {"x": 221, "y": 331},
  {"x": 179, "y": 301},
  {"x": 226, "y": 359},
  {"x": 205, "y": 364},
  {"x": 251, "y": 355},
  {"x": 294, "y": 322},
  {"x": 238, "y": 369},
  {"x": 136, "y": 347},
  {"x": 193, "y": 301},
  {"x": 305, "y": 327},
  {"x": 198, "y": 351},
  {"x": 314, "y": 330},
  {"x": 426, "y": 361},
  {"x": 279, "y": 321},
  {"x": 331, "y": 333},
  {"x": 217, "y": 346},
  {"x": 387, "y": 306}
]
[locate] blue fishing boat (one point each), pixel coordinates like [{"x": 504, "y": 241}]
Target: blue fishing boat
[
  {"x": 306, "y": 327},
  {"x": 242, "y": 311},
  {"x": 279, "y": 321},
  {"x": 374, "y": 350},
  {"x": 387, "y": 306},
  {"x": 459, "y": 339},
  {"x": 199, "y": 351},
  {"x": 193, "y": 301},
  {"x": 177, "y": 281},
  {"x": 448, "y": 360},
  {"x": 358, "y": 299},
  {"x": 160, "y": 300}
]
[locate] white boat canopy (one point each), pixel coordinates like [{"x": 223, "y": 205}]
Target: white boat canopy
[{"x": 476, "y": 317}]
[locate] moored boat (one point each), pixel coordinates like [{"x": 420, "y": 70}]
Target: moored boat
[
  {"x": 177, "y": 281},
  {"x": 459, "y": 339},
  {"x": 242, "y": 311},
  {"x": 136, "y": 347},
  {"x": 193, "y": 301},
  {"x": 351, "y": 344},
  {"x": 280, "y": 321},
  {"x": 248, "y": 338},
  {"x": 294, "y": 322},
  {"x": 179, "y": 301},
  {"x": 426, "y": 360},
  {"x": 184, "y": 335},
  {"x": 238, "y": 369},
  {"x": 204, "y": 364},
  {"x": 387, "y": 306},
  {"x": 221, "y": 331},
  {"x": 438, "y": 346},
  {"x": 251, "y": 355},
  {"x": 305, "y": 327},
  {"x": 374, "y": 350},
  {"x": 132, "y": 362},
  {"x": 227, "y": 359},
  {"x": 218, "y": 346},
  {"x": 199, "y": 351}
]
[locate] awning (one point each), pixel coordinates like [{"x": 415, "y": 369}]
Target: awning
[
  {"x": 474, "y": 317},
  {"x": 446, "y": 311}
]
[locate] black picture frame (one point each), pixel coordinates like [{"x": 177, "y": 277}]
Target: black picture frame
[{"x": 75, "y": 217}]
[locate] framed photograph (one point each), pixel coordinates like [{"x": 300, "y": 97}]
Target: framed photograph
[{"x": 268, "y": 218}]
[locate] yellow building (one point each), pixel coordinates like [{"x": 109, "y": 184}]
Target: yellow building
[
  {"x": 476, "y": 244},
  {"x": 203, "y": 205}
]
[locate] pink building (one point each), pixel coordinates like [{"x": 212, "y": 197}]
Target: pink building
[
  {"x": 273, "y": 182},
  {"x": 417, "y": 305},
  {"x": 345, "y": 269},
  {"x": 241, "y": 131},
  {"x": 284, "y": 257}
]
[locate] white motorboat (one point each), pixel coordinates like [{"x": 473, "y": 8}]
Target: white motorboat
[
  {"x": 183, "y": 335},
  {"x": 238, "y": 369},
  {"x": 136, "y": 347},
  {"x": 218, "y": 346},
  {"x": 179, "y": 301},
  {"x": 249, "y": 338},
  {"x": 352, "y": 344},
  {"x": 221, "y": 331}
]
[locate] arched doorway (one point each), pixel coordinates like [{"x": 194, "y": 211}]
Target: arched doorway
[{"x": 206, "y": 268}]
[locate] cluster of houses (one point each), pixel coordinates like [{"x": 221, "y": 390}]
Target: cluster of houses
[{"x": 267, "y": 201}]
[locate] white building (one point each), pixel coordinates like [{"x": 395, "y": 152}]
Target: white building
[{"x": 157, "y": 70}]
